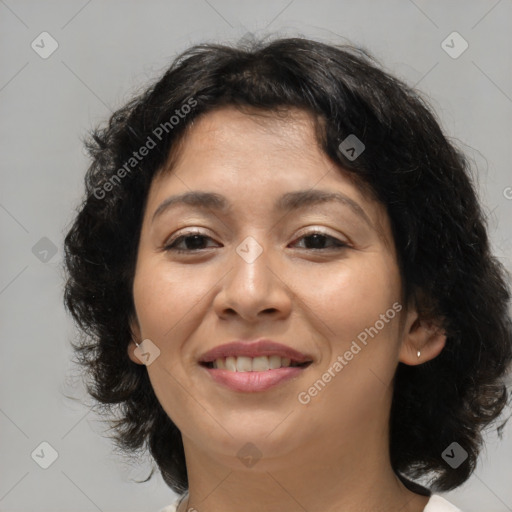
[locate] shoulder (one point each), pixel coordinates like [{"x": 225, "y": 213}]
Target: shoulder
[{"x": 437, "y": 503}]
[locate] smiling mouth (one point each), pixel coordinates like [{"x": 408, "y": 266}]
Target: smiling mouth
[{"x": 253, "y": 364}]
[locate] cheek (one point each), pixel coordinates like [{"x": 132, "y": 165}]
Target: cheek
[
  {"x": 167, "y": 303},
  {"x": 352, "y": 296},
  {"x": 361, "y": 349},
  {"x": 164, "y": 299},
  {"x": 348, "y": 304}
]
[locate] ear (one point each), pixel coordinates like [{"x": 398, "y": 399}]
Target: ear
[
  {"x": 136, "y": 336},
  {"x": 424, "y": 336}
]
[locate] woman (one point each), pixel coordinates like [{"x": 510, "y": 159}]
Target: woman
[{"x": 285, "y": 283}]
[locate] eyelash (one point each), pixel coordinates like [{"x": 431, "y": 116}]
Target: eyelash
[{"x": 171, "y": 245}]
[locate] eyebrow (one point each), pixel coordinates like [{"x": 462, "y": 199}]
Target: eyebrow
[{"x": 287, "y": 202}]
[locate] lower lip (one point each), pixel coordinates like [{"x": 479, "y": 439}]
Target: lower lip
[{"x": 253, "y": 382}]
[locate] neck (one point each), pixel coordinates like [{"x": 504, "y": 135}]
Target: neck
[{"x": 340, "y": 476}]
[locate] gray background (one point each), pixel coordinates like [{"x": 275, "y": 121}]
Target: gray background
[{"x": 109, "y": 50}]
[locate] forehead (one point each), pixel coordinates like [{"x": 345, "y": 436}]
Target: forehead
[
  {"x": 287, "y": 124},
  {"x": 250, "y": 146},
  {"x": 230, "y": 133},
  {"x": 257, "y": 154}
]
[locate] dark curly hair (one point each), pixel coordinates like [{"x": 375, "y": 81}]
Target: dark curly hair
[{"x": 448, "y": 271}]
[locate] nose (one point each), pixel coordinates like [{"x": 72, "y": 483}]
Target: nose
[{"x": 255, "y": 287}]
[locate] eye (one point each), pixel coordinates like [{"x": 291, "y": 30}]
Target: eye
[
  {"x": 194, "y": 240},
  {"x": 318, "y": 240}
]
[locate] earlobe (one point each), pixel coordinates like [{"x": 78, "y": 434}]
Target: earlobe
[
  {"x": 135, "y": 330},
  {"x": 425, "y": 338},
  {"x": 131, "y": 352}
]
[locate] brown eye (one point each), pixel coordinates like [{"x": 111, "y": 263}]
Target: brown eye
[
  {"x": 191, "y": 241},
  {"x": 318, "y": 241}
]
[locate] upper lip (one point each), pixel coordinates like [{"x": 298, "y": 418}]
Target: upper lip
[{"x": 255, "y": 348}]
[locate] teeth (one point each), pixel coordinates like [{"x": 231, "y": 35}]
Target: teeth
[
  {"x": 230, "y": 364},
  {"x": 250, "y": 364},
  {"x": 275, "y": 362},
  {"x": 260, "y": 364},
  {"x": 243, "y": 364}
]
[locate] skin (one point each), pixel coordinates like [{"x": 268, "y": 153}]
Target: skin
[{"x": 330, "y": 454}]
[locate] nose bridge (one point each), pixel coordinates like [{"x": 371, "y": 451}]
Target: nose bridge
[
  {"x": 251, "y": 267},
  {"x": 252, "y": 286}
]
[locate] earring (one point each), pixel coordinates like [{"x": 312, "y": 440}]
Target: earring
[
  {"x": 419, "y": 353},
  {"x": 139, "y": 345}
]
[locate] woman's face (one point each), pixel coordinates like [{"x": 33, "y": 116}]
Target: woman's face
[{"x": 260, "y": 270}]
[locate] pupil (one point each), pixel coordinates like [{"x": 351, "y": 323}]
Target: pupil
[
  {"x": 197, "y": 241},
  {"x": 319, "y": 239}
]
